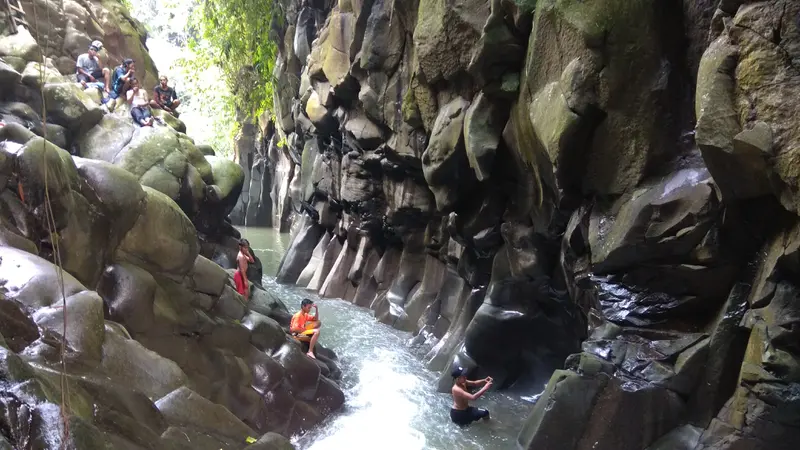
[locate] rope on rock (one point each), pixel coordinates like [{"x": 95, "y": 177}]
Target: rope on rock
[{"x": 52, "y": 231}]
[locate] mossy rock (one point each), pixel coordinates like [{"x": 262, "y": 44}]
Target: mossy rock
[
  {"x": 228, "y": 176},
  {"x": 70, "y": 107},
  {"x": 206, "y": 150},
  {"x": 20, "y": 45},
  {"x": 107, "y": 138},
  {"x": 171, "y": 121},
  {"x": 163, "y": 240}
]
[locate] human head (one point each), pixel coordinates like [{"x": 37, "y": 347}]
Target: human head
[
  {"x": 95, "y": 47},
  {"x": 164, "y": 80},
  {"x": 244, "y": 244},
  {"x": 306, "y": 304},
  {"x": 459, "y": 374},
  {"x": 135, "y": 83},
  {"x": 129, "y": 64}
]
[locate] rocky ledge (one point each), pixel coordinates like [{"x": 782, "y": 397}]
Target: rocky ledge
[
  {"x": 141, "y": 342},
  {"x": 601, "y": 194}
]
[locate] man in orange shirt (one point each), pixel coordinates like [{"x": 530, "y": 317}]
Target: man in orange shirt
[{"x": 305, "y": 327}]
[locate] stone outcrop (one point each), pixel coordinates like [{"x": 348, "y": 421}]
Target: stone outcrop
[
  {"x": 120, "y": 326},
  {"x": 575, "y": 194},
  {"x": 63, "y": 30},
  {"x": 269, "y": 171}
]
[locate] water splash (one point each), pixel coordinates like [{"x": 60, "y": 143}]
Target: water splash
[{"x": 391, "y": 398}]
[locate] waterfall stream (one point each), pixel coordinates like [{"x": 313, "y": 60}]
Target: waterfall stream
[{"x": 392, "y": 402}]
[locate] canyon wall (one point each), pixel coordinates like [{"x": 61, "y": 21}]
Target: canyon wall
[
  {"x": 141, "y": 341},
  {"x": 599, "y": 193}
]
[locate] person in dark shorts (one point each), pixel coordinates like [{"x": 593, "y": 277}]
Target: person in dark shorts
[
  {"x": 462, "y": 413},
  {"x": 164, "y": 97},
  {"x": 88, "y": 70}
]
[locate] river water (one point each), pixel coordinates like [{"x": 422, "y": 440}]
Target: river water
[{"x": 391, "y": 400}]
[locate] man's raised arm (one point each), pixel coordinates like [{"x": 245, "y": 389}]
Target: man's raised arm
[{"x": 461, "y": 392}]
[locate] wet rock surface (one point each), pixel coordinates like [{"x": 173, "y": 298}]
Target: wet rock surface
[
  {"x": 599, "y": 194},
  {"x": 159, "y": 350}
]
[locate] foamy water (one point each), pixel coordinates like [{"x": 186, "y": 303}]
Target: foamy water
[{"x": 391, "y": 398}]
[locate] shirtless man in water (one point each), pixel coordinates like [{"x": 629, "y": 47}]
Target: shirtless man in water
[
  {"x": 462, "y": 414},
  {"x": 242, "y": 262}
]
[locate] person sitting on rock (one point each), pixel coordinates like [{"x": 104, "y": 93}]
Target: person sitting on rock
[
  {"x": 122, "y": 78},
  {"x": 164, "y": 97},
  {"x": 140, "y": 107},
  {"x": 305, "y": 327},
  {"x": 242, "y": 262},
  {"x": 89, "y": 71},
  {"x": 461, "y": 413}
]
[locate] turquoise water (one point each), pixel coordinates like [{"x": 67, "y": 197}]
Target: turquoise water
[{"x": 391, "y": 401}]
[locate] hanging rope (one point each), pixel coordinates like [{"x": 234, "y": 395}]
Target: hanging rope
[{"x": 51, "y": 229}]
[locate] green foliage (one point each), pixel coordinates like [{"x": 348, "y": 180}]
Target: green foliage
[
  {"x": 209, "y": 110},
  {"x": 237, "y": 36},
  {"x": 207, "y": 105}
]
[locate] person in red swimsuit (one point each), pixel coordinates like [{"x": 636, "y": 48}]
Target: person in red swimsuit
[
  {"x": 242, "y": 261},
  {"x": 305, "y": 327}
]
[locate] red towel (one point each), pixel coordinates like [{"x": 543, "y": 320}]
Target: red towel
[{"x": 241, "y": 284}]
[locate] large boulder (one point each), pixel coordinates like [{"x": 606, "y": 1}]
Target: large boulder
[
  {"x": 445, "y": 162},
  {"x": 228, "y": 180},
  {"x": 588, "y": 407},
  {"x": 33, "y": 281},
  {"x": 20, "y": 45},
  {"x": 9, "y": 76},
  {"x": 161, "y": 222},
  {"x": 36, "y": 75},
  {"x": 68, "y": 105},
  {"x": 155, "y": 158},
  {"x": 185, "y": 407},
  {"x": 445, "y": 36},
  {"x": 335, "y": 47},
  {"x": 107, "y": 138},
  {"x": 46, "y": 174},
  {"x": 120, "y": 196}
]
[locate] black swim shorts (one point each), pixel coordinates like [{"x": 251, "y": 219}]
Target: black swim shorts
[{"x": 467, "y": 416}]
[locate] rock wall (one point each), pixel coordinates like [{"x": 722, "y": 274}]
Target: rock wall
[
  {"x": 595, "y": 193},
  {"x": 268, "y": 170},
  {"x": 142, "y": 341},
  {"x": 64, "y": 30}
]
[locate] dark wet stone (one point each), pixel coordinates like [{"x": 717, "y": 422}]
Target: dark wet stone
[
  {"x": 128, "y": 292},
  {"x": 265, "y": 333},
  {"x": 302, "y": 373},
  {"x": 583, "y": 412},
  {"x": 299, "y": 253},
  {"x": 208, "y": 277},
  {"x": 684, "y": 437},
  {"x": 16, "y": 328},
  {"x": 271, "y": 441},
  {"x": 184, "y": 407}
]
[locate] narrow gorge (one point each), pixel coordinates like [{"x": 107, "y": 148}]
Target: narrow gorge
[{"x": 594, "y": 202}]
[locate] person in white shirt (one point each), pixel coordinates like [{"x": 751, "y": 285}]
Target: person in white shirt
[
  {"x": 88, "y": 70},
  {"x": 140, "y": 105}
]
